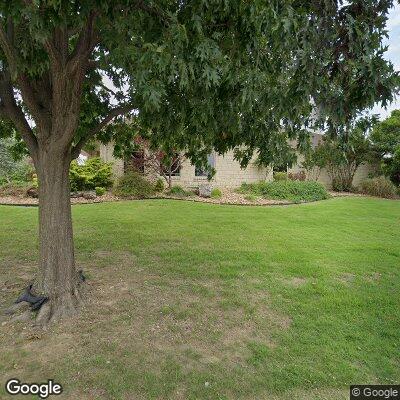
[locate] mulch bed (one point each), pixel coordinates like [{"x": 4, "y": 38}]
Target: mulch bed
[
  {"x": 229, "y": 197},
  {"x": 29, "y": 201}
]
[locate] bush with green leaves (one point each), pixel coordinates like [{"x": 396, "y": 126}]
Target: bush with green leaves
[
  {"x": 250, "y": 197},
  {"x": 14, "y": 188},
  {"x": 385, "y": 139},
  {"x": 159, "y": 186},
  {"x": 391, "y": 166},
  {"x": 133, "y": 185},
  {"x": 216, "y": 193},
  {"x": 11, "y": 169},
  {"x": 94, "y": 173},
  {"x": 379, "y": 186},
  {"x": 178, "y": 191},
  {"x": 280, "y": 176},
  {"x": 100, "y": 191},
  {"x": 296, "y": 191}
]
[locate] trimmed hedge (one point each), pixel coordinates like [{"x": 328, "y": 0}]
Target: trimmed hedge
[
  {"x": 133, "y": 185},
  {"x": 296, "y": 191}
]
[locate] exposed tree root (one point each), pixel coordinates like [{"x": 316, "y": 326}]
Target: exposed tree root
[
  {"x": 48, "y": 309},
  {"x": 60, "y": 307},
  {"x": 28, "y": 296}
]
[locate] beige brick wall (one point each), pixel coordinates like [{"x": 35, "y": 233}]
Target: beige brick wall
[
  {"x": 228, "y": 171},
  {"x": 106, "y": 154}
]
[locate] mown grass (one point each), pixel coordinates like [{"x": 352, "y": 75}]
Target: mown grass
[{"x": 199, "y": 301}]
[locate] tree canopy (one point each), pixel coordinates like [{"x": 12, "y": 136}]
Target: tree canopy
[
  {"x": 226, "y": 73},
  {"x": 386, "y": 143},
  {"x": 386, "y": 135}
]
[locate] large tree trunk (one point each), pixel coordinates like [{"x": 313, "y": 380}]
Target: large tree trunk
[{"x": 58, "y": 279}]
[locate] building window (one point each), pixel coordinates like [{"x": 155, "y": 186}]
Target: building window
[{"x": 211, "y": 163}]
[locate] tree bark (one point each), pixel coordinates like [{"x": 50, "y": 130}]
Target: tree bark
[{"x": 58, "y": 279}]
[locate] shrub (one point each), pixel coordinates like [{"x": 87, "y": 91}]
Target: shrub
[
  {"x": 380, "y": 187},
  {"x": 280, "y": 176},
  {"x": 35, "y": 182},
  {"x": 100, "y": 191},
  {"x": 11, "y": 168},
  {"x": 178, "y": 191},
  {"x": 159, "y": 186},
  {"x": 21, "y": 172},
  {"x": 134, "y": 185},
  {"x": 297, "y": 176},
  {"x": 391, "y": 166},
  {"x": 216, "y": 193},
  {"x": 94, "y": 173},
  {"x": 296, "y": 191},
  {"x": 250, "y": 197},
  {"x": 15, "y": 188}
]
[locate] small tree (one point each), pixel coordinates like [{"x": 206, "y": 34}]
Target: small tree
[
  {"x": 391, "y": 166},
  {"x": 343, "y": 153},
  {"x": 170, "y": 165},
  {"x": 154, "y": 162},
  {"x": 313, "y": 163},
  {"x": 385, "y": 139}
]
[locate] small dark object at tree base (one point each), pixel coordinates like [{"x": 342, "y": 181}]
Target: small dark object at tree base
[
  {"x": 82, "y": 277},
  {"x": 38, "y": 304},
  {"x": 35, "y": 301}
]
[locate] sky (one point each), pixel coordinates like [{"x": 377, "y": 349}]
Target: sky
[{"x": 393, "y": 54}]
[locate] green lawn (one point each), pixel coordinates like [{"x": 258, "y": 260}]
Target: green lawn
[{"x": 197, "y": 301}]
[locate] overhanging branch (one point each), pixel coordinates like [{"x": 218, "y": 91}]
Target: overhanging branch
[
  {"x": 8, "y": 48},
  {"x": 101, "y": 125},
  {"x": 87, "y": 39},
  {"x": 154, "y": 11},
  {"x": 9, "y": 109},
  {"x": 11, "y": 73}
]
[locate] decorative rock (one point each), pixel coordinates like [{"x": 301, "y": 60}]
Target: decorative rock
[
  {"x": 205, "y": 190},
  {"x": 17, "y": 307},
  {"x": 89, "y": 195}
]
